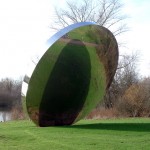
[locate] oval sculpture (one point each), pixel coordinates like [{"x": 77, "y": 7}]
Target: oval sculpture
[{"x": 73, "y": 75}]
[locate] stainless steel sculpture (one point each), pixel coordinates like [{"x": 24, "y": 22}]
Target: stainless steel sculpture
[{"x": 73, "y": 74}]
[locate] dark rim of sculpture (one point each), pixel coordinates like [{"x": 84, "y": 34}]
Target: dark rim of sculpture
[{"x": 73, "y": 75}]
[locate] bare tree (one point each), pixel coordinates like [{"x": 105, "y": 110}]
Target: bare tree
[
  {"x": 126, "y": 75},
  {"x": 136, "y": 100},
  {"x": 10, "y": 96},
  {"x": 103, "y": 12}
]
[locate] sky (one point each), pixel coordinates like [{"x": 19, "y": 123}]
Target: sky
[
  {"x": 25, "y": 27},
  {"x": 137, "y": 38}
]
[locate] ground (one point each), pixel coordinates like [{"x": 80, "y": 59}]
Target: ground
[{"x": 111, "y": 134}]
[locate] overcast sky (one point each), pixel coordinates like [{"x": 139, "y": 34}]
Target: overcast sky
[{"x": 24, "y": 28}]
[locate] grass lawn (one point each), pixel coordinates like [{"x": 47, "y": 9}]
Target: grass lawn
[{"x": 116, "y": 134}]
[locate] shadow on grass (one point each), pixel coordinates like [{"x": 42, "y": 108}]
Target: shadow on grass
[{"x": 138, "y": 127}]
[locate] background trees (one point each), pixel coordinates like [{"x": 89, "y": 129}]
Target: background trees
[
  {"x": 135, "y": 101},
  {"x": 126, "y": 75},
  {"x": 10, "y": 97},
  {"x": 128, "y": 94},
  {"x": 105, "y": 13}
]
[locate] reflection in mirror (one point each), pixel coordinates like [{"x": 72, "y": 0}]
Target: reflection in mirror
[{"x": 72, "y": 76}]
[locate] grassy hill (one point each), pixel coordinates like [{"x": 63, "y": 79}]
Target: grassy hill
[{"x": 114, "y": 134}]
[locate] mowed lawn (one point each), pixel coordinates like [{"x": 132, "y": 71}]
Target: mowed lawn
[{"x": 116, "y": 134}]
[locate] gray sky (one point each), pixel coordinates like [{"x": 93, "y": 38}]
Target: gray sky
[{"x": 24, "y": 29}]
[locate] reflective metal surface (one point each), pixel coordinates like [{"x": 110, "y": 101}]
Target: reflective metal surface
[{"x": 72, "y": 76}]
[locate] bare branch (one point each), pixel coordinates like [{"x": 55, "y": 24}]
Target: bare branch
[
  {"x": 123, "y": 28},
  {"x": 104, "y": 12}
]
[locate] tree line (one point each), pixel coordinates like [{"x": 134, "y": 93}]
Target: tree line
[
  {"x": 10, "y": 98},
  {"x": 128, "y": 95}
]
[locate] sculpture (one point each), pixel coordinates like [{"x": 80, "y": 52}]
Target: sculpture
[{"x": 73, "y": 74}]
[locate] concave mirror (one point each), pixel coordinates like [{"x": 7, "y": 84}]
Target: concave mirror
[{"x": 72, "y": 76}]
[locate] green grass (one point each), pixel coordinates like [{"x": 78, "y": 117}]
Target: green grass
[
  {"x": 116, "y": 134},
  {"x": 86, "y": 34}
]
